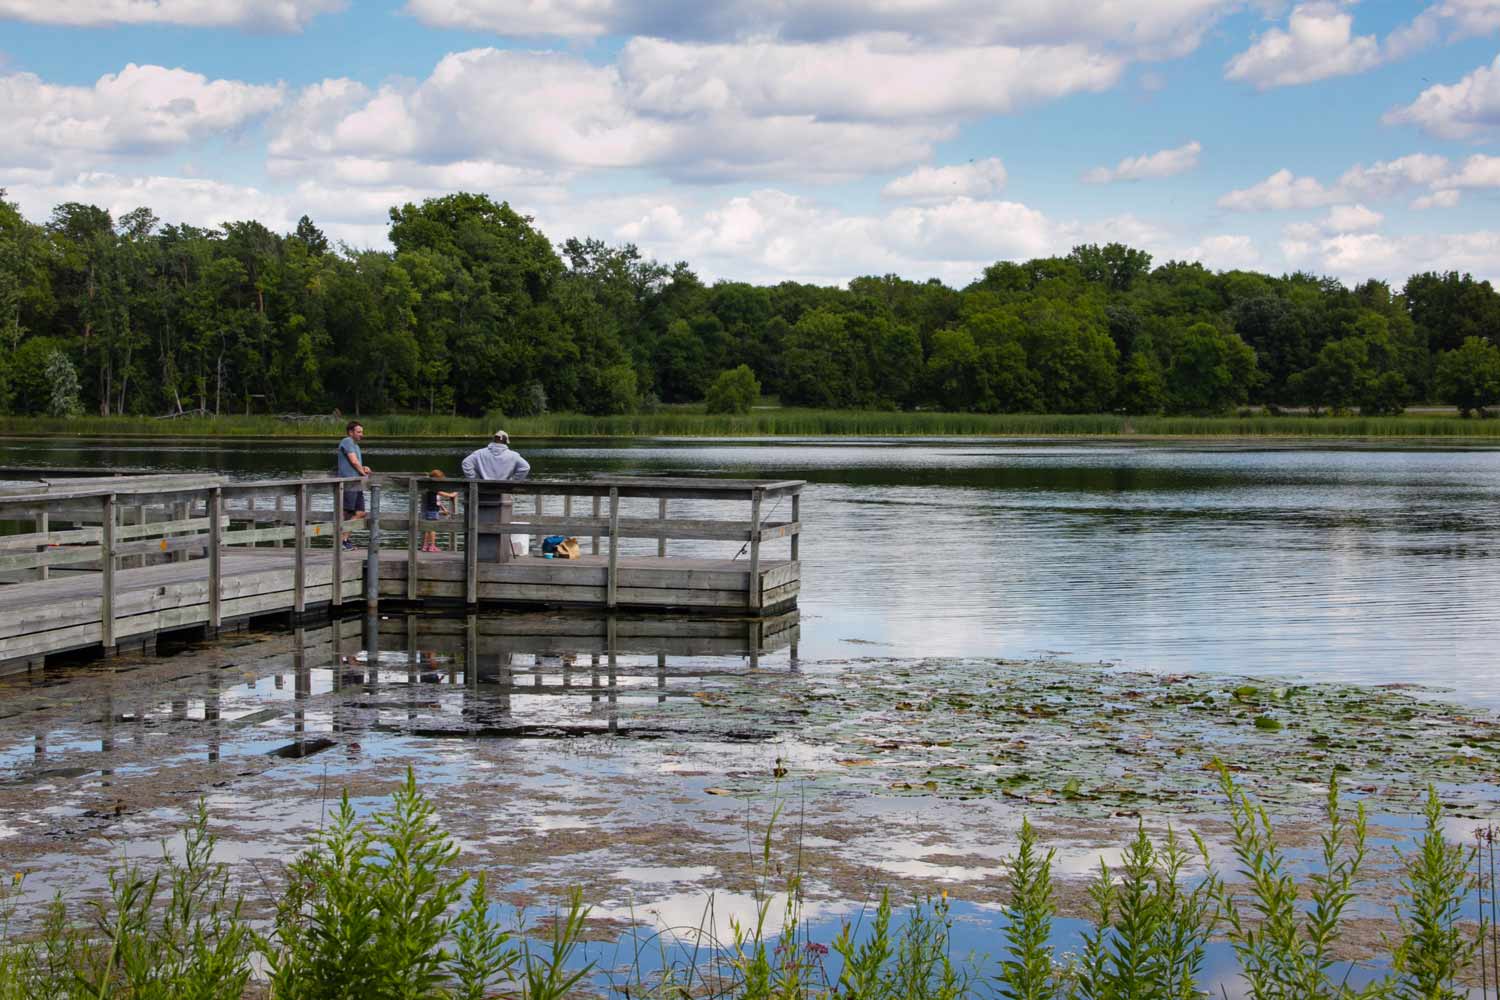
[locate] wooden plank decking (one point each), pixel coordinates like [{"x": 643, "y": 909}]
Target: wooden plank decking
[{"x": 62, "y": 613}]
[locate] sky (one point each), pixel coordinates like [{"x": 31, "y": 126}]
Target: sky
[{"x": 811, "y": 140}]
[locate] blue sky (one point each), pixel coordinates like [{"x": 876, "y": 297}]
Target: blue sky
[{"x": 773, "y": 139}]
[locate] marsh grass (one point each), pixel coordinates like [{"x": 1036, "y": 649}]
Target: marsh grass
[
  {"x": 692, "y": 421},
  {"x": 373, "y": 910}
]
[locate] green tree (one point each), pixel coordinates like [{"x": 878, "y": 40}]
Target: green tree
[
  {"x": 1143, "y": 385},
  {"x": 1210, "y": 370},
  {"x": 1469, "y": 377},
  {"x": 733, "y": 391}
]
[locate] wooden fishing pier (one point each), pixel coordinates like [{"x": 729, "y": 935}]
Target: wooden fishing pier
[{"x": 116, "y": 562}]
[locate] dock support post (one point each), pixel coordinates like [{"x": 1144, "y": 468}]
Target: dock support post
[
  {"x": 299, "y": 559},
  {"x": 754, "y": 589},
  {"x": 661, "y": 535},
  {"x": 338, "y": 544},
  {"x": 372, "y": 557},
  {"x": 107, "y": 565},
  {"x": 413, "y": 517},
  {"x": 797, "y": 522},
  {"x": 280, "y": 509},
  {"x": 614, "y": 549},
  {"x": 471, "y": 544},
  {"x": 215, "y": 559}
]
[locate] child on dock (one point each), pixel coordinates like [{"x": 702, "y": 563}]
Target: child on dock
[{"x": 436, "y": 503}]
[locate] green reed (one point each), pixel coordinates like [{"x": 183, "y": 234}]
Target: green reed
[
  {"x": 374, "y": 910},
  {"x": 692, "y": 421}
]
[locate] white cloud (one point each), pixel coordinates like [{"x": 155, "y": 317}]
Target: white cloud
[
  {"x": 1282, "y": 190},
  {"x": 1318, "y": 42},
  {"x": 1383, "y": 179},
  {"x": 1450, "y": 21},
  {"x": 1355, "y": 257},
  {"x": 1351, "y": 219},
  {"x": 1468, "y": 109},
  {"x": 251, "y": 15},
  {"x": 1226, "y": 252},
  {"x": 1386, "y": 178},
  {"x": 693, "y": 112},
  {"x": 1144, "y": 28},
  {"x": 1446, "y": 198},
  {"x": 1166, "y": 163},
  {"x": 141, "y": 109},
  {"x": 1478, "y": 171},
  {"x": 976, "y": 179},
  {"x": 869, "y": 78}
]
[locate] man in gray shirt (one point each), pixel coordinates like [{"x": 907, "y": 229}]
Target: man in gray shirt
[
  {"x": 351, "y": 463},
  {"x": 495, "y": 461}
]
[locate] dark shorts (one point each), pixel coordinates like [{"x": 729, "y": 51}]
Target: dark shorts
[
  {"x": 430, "y": 515},
  {"x": 354, "y": 501}
]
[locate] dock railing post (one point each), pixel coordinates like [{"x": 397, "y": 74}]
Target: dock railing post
[
  {"x": 471, "y": 543},
  {"x": 338, "y": 544},
  {"x": 754, "y": 588},
  {"x": 43, "y": 529},
  {"x": 661, "y": 533},
  {"x": 413, "y": 517},
  {"x": 372, "y": 555},
  {"x": 299, "y": 519},
  {"x": 541, "y": 512},
  {"x": 505, "y": 509},
  {"x": 614, "y": 545},
  {"x": 796, "y": 523},
  {"x": 182, "y": 510},
  {"x": 596, "y": 530},
  {"x": 215, "y": 559},
  {"x": 107, "y": 565}
]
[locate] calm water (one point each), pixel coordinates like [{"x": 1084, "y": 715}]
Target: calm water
[{"x": 1372, "y": 565}]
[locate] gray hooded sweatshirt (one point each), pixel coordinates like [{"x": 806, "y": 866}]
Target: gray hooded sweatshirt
[{"x": 496, "y": 461}]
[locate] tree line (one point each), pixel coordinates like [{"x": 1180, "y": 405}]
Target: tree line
[{"x": 474, "y": 310}]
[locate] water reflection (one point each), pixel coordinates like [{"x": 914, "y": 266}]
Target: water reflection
[{"x": 312, "y": 689}]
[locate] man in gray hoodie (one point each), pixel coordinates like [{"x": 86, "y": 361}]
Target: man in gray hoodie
[{"x": 495, "y": 461}]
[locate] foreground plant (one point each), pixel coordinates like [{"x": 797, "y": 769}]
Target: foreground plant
[
  {"x": 175, "y": 932},
  {"x": 1434, "y": 947},
  {"x": 369, "y": 913}
]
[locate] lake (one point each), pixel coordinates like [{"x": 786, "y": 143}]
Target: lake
[
  {"x": 1329, "y": 562},
  {"x": 987, "y": 630}
]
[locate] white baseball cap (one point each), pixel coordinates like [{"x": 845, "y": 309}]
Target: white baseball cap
[{"x": 502, "y": 437}]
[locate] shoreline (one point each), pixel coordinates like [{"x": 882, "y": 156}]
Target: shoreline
[{"x": 781, "y": 425}]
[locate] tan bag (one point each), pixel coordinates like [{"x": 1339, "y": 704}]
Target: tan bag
[{"x": 568, "y": 549}]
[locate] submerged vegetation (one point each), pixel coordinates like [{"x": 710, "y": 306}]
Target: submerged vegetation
[{"x": 374, "y": 910}]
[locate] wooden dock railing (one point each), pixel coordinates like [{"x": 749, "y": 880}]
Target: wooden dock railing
[
  {"x": 93, "y": 530},
  {"x": 555, "y": 510}
]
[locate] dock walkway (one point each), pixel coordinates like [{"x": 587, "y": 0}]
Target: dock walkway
[{"x": 121, "y": 561}]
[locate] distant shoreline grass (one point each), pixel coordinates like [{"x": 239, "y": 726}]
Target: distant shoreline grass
[{"x": 774, "y": 422}]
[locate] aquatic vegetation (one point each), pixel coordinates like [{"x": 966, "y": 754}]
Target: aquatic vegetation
[
  {"x": 1095, "y": 741},
  {"x": 372, "y": 910}
]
